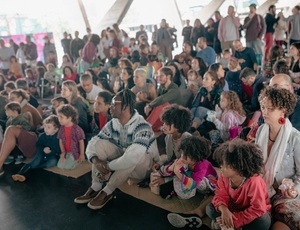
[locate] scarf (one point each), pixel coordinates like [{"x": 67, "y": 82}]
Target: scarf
[{"x": 272, "y": 163}]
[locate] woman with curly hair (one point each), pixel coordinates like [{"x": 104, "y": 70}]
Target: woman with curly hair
[
  {"x": 231, "y": 117},
  {"x": 280, "y": 146},
  {"x": 241, "y": 198}
]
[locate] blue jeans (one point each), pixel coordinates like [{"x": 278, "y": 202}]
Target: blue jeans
[
  {"x": 260, "y": 223},
  {"x": 41, "y": 160}
]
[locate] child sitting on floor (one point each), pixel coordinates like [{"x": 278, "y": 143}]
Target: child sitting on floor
[
  {"x": 191, "y": 171},
  {"x": 16, "y": 118},
  {"x": 71, "y": 138},
  {"x": 241, "y": 198},
  {"x": 194, "y": 81},
  {"x": 231, "y": 117},
  {"x": 47, "y": 149},
  {"x": 177, "y": 121}
]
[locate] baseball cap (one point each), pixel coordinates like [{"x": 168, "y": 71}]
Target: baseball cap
[{"x": 95, "y": 64}]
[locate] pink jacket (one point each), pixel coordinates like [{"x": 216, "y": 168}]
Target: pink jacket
[{"x": 222, "y": 30}]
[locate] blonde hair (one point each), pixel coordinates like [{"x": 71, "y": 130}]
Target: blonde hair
[
  {"x": 71, "y": 85},
  {"x": 233, "y": 63},
  {"x": 233, "y": 102}
]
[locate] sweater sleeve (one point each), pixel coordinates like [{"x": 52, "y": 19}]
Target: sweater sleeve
[
  {"x": 135, "y": 152},
  {"x": 222, "y": 193},
  {"x": 167, "y": 97},
  {"x": 257, "y": 195}
]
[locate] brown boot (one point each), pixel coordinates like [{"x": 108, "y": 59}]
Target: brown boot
[
  {"x": 87, "y": 197},
  {"x": 100, "y": 200}
]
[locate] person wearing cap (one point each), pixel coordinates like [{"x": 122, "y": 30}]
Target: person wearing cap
[
  {"x": 48, "y": 47},
  {"x": 255, "y": 29},
  {"x": 96, "y": 67},
  {"x": 125, "y": 53}
]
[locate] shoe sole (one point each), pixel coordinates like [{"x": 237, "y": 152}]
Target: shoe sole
[
  {"x": 179, "y": 222},
  {"x": 18, "y": 177},
  {"x": 99, "y": 207},
  {"x": 18, "y": 162},
  {"x": 7, "y": 163},
  {"x": 82, "y": 201}
]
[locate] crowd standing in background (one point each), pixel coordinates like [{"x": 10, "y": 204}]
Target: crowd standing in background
[{"x": 113, "y": 95}]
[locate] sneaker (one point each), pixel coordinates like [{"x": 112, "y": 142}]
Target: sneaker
[
  {"x": 18, "y": 177},
  {"x": 99, "y": 201},
  {"x": 184, "y": 220},
  {"x": 9, "y": 160},
  {"x": 87, "y": 197},
  {"x": 19, "y": 160}
]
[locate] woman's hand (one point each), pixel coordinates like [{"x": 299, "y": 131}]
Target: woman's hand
[{"x": 290, "y": 193}]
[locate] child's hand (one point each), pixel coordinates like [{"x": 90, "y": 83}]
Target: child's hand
[
  {"x": 156, "y": 166},
  {"x": 62, "y": 156},
  {"x": 80, "y": 159},
  {"x": 47, "y": 150},
  {"x": 158, "y": 180},
  {"x": 290, "y": 193},
  {"x": 227, "y": 217},
  {"x": 178, "y": 164}
]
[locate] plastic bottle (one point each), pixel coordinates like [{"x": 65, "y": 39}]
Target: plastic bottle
[{"x": 154, "y": 187}]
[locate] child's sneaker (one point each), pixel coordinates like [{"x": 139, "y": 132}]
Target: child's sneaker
[
  {"x": 19, "y": 160},
  {"x": 9, "y": 160}
]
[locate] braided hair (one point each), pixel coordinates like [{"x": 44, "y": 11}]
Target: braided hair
[{"x": 128, "y": 98}]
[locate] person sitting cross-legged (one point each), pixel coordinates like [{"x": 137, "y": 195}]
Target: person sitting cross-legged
[{"x": 125, "y": 147}]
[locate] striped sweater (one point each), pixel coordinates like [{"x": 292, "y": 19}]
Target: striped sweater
[{"x": 135, "y": 138}]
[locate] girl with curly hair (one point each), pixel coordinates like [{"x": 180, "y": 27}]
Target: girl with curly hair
[
  {"x": 231, "y": 117},
  {"x": 279, "y": 141},
  {"x": 241, "y": 198}
]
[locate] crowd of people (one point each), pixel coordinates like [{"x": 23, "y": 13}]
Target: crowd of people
[{"x": 217, "y": 103}]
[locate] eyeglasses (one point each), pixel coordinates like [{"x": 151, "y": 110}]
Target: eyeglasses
[{"x": 114, "y": 102}]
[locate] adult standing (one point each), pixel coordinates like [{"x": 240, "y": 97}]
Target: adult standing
[
  {"x": 141, "y": 33},
  {"x": 13, "y": 45},
  {"x": 270, "y": 23},
  {"x": 187, "y": 31},
  {"x": 76, "y": 45},
  {"x": 164, "y": 40},
  {"x": 48, "y": 47},
  {"x": 294, "y": 21},
  {"x": 255, "y": 28},
  {"x": 229, "y": 30},
  {"x": 89, "y": 52},
  {"x": 5, "y": 54},
  {"x": 30, "y": 52},
  {"x": 197, "y": 31},
  {"x": 66, "y": 42},
  {"x": 217, "y": 43},
  {"x": 121, "y": 153}
]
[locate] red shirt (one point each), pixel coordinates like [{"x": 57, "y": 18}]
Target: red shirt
[
  {"x": 247, "y": 202},
  {"x": 102, "y": 120},
  {"x": 68, "y": 130}
]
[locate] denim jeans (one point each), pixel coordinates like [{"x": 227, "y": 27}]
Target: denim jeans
[
  {"x": 41, "y": 160},
  {"x": 199, "y": 114},
  {"x": 260, "y": 223}
]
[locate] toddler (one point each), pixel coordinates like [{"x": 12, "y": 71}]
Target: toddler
[
  {"x": 47, "y": 149},
  {"x": 71, "y": 138},
  {"x": 194, "y": 81}
]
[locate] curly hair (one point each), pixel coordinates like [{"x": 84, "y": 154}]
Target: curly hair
[
  {"x": 281, "y": 99},
  {"x": 68, "y": 111},
  {"x": 244, "y": 157},
  {"x": 233, "y": 102},
  {"x": 52, "y": 119},
  {"x": 178, "y": 116},
  {"x": 196, "y": 148}
]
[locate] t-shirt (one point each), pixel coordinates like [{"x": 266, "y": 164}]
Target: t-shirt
[
  {"x": 67, "y": 146},
  {"x": 208, "y": 55},
  {"x": 248, "y": 55}
]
